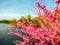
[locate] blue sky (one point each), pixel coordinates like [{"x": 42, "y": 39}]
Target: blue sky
[{"x": 10, "y": 9}]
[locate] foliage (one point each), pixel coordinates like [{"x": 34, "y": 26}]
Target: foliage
[{"x": 8, "y": 21}]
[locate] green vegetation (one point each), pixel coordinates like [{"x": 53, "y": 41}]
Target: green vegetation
[
  {"x": 8, "y": 21},
  {"x": 59, "y": 19},
  {"x": 26, "y": 18}
]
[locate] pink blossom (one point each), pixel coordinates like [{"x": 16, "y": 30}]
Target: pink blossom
[{"x": 48, "y": 34}]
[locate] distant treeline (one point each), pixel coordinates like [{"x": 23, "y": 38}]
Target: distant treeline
[
  {"x": 26, "y": 18},
  {"x": 8, "y": 21}
]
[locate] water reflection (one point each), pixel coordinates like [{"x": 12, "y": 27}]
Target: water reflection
[{"x": 5, "y": 38}]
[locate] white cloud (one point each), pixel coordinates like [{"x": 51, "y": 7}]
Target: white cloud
[
  {"x": 9, "y": 14},
  {"x": 7, "y": 10}
]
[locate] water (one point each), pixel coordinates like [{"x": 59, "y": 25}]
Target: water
[{"x": 5, "y": 38}]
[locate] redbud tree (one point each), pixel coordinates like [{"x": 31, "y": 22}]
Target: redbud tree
[{"x": 44, "y": 29}]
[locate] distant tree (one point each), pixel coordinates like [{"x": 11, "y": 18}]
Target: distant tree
[
  {"x": 13, "y": 21},
  {"x": 29, "y": 17}
]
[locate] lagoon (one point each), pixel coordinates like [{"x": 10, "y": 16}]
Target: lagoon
[{"x": 5, "y": 38}]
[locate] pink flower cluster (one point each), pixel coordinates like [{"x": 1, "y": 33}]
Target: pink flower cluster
[{"x": 47, "y": 34}]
